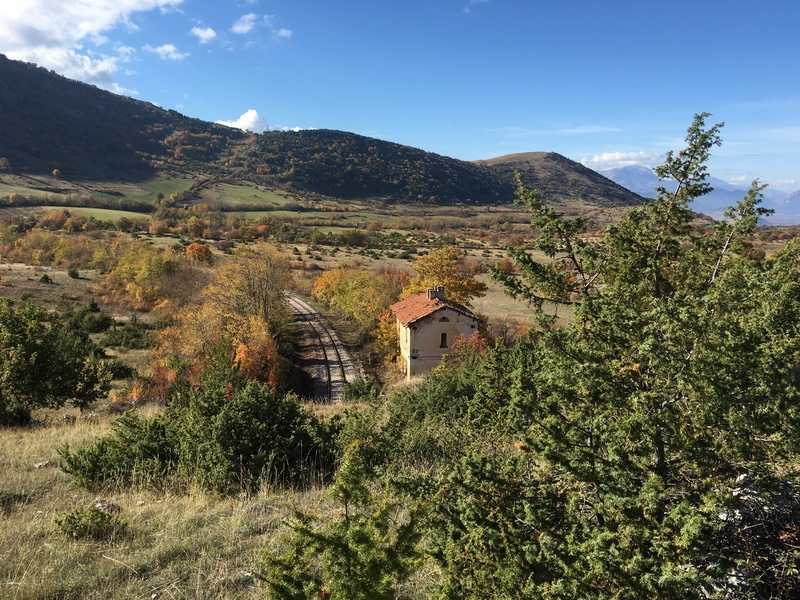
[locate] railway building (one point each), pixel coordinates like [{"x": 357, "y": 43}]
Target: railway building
[{"x": 428, "y": 324}]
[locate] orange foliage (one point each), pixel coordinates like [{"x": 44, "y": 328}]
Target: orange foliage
[
  {"x": 199, "y": 252},
  {"x": 158, "y": 227},
  {"x": 259, "y": 359},
  {"x": 475, "y": 343}
]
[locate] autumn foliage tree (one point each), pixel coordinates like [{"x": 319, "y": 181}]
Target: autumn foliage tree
[
  {"x": 360, "y": 294},
  {"x": 243, "y": 307},
  {"x": 445, "y": 266},
  {"x": 199, "y": 252}
]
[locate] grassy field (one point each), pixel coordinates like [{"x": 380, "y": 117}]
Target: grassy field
[
  {"x": 165, "y": 186},
  {"x": 45, "y": 184},
  {"x": 24, "y": 282},
  {"x": 7, "y": 189},
  {"x": 187, "y": 546},
  {"x": 232, "y": 195}
]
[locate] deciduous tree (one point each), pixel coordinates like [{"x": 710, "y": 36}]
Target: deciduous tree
[
  {"x": 445, "y": 266},
  {"x": 44, "y": 363}
]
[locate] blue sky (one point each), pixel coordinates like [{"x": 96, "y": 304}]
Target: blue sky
[{"x": 603, "y": 83}]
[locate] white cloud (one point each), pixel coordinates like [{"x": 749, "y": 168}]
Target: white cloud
[
  {"x": 282, "y": 32},
  {"x": 125, "y": 53},
  {"x": 245, "y": 24},
  {"x": 166, "y": 52},
  {"x": 203, "y": 34},
  {"x": 471, "y": 3},
  {"x": 616, "y": 160},
  {"x": 53, "y": 33},
  {"x": 252, "y": 121}
]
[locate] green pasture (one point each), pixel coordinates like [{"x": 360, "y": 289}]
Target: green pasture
[
  {"x": 7, "y": 189},
  {"x": 232, "y": 195},
  {"x": 165, "y": 186}
]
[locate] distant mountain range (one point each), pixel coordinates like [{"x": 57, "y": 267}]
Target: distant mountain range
[
  {"x": 49, "y": 122},
  {"x": 643, "y": 181}
]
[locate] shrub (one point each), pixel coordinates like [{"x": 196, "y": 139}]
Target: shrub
[
  {"x": 250, "y": 436},
  {"x": 366, "y": 551},
  {"x": 132, "y": 335},
  {"x": 225, "y": 435},
  {"x": 89, "y": 522},
  {"x": 365, "y": 390},
  {"x": 90, "y": 318},
  {"x": 45, "y": 362},
  {"x": 119, "y": 370},
  {"x": 138, "y": 452}
]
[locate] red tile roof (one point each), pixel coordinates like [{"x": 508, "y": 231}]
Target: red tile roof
[{"x": 419, "y": 306}]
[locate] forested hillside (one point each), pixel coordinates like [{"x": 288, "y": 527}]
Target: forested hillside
[
  {"x": 345, "y": 165},
  {"x": 51, "y": 122}
]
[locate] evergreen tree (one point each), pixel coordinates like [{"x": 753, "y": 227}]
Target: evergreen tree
[{"x": 645, "y": 450}]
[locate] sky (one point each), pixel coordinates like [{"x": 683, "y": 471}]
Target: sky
[{"x": 607, "y": 83}]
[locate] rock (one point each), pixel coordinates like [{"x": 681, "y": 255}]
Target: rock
[{"x": 107, "y": 507}]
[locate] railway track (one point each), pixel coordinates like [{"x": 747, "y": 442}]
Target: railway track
[{"x": 334, "y": 365}]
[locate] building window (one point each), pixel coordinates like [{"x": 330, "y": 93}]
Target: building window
[
  {"x": 444, "y": 341},
  {"x": 444, "y": 320}
]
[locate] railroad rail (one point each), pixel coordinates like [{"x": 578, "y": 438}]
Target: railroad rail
[{"x": 335, "y": 371}]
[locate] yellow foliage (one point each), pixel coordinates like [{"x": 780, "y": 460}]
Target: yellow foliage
[
  {"x": 445, "y": 266},
  {"x": 358, "y": 293}
]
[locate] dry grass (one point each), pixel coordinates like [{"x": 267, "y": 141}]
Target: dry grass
[
  {"x": 20, "y": 282},
  {"x": 187, "y": 546}
]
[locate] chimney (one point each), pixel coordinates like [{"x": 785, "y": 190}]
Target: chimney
[{"x": 436, "y": 292}]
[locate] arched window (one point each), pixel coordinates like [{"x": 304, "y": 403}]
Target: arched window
[
  {"x": 444, "y": 320},
  {"x": 444, "y": 341}
]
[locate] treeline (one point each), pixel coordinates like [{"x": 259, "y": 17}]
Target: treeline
[{"x": 78, "y": 200}]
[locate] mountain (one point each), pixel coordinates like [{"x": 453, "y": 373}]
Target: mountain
[
  {"x": 50, "y": 122},
  {"x": 560, "y": 179},
  {"x": 643, "y": 181},
  {"x": 637, "y": 178}
]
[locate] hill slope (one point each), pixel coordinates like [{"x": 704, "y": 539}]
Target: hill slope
[
  {"x": 560, "y": 179},
  {"x": 50, "y": 122},
  {"x": 346, "y": 165}
]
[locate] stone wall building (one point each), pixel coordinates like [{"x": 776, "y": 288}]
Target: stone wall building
[{"x": 428, "y": 324}]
